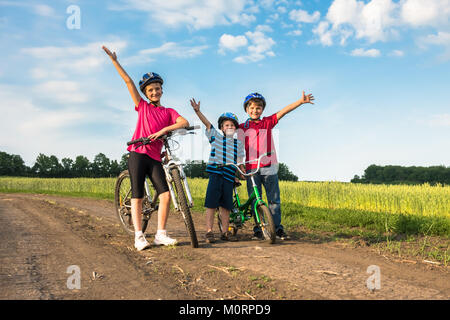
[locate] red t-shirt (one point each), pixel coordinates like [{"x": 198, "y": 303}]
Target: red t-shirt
[
  {"x": 257, "y": 138},
  {"x": 150, "y": 120}
]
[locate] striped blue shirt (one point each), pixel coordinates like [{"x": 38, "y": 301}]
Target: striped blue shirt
[{"x": 224, "y": 150}]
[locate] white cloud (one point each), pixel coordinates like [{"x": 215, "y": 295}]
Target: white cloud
[
  {"x": 197, "y": 14},
  {"x": 397, "y": 53},
  {"x": 44, "y": 10},
  {"x": 53, "y": 52},
  {"x": 372, "y": 21},
  {"x": 272, "y": 18},
  {"x": 439, "y": 39},
  {"x": 35, "y": 127},
  {"x": 263, "y": 28},
  {"x": 45, "y": 73},
  {"x": 38, "y": 128},
  {"x": 48, "y": 121},
  {"x": 379, "y": 20},
  {"x": 175, "y": 50},
  {"x": 372, "y": 53},
  {"x": 325, "y": 35},
  {"x": 64, "y": 66},
  {"x": 303, "y": 16},
  {"x": 426, "y": 13},
  {"x": 260, "y": 47},
  {"x": 169, "y": 49},
  {"x": 439, "y": 120},
  {"x": 266, "y": 3},
  {"x": 286, "y": 25},
  {"x": 229, "y": 42},
  {"x": 65, "y": 92},
  {"x": 282, "y": 9},
  {"x": 40, "y": 9},
  {"x": 243, "y": 19},
  {"x": 297, "y": 33},
  {"x": 61, "y": 61}
]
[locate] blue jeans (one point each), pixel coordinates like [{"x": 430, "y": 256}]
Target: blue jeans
[{"x": 271, "y": 185}]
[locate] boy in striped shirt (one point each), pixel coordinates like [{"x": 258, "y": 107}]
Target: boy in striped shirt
[{"x": 224, "y": 149}]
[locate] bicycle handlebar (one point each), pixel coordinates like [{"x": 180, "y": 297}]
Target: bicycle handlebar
[
  {"x": 145, "y": 140},
  {"x": 190, "y": 128},
  {"x": 238, "y": 164}
]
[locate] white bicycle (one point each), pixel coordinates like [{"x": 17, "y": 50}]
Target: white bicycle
[{"x": 176, "y": 180}]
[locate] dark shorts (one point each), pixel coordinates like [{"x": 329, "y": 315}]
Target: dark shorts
[
  {"x": 219, "y": 192},
  {"x": 141, "y": 165}
]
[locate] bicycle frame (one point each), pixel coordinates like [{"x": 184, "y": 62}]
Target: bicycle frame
[
  {"x": 148, "y": 194},
  {"x": 177, "y": 184},
  {"x": 243, "y": 208},
  {"x": 170, "y": 162}
]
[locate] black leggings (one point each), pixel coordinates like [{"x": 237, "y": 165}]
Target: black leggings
[{"x": 141, "y": 165}]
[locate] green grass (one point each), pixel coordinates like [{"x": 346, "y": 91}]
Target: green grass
[
  {"x": 336, "y": 220},
  {"x": 329, "y": 219},
  {"x": 100, "y": 188}
]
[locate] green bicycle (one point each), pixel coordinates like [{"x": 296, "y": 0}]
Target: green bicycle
[{"x": 243, "y": 212}]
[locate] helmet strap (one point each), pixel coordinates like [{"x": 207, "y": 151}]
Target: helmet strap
[{"x": 247, "y": 122}]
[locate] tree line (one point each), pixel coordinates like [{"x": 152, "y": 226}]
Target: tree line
[
  {"x": 404, "y": 175},
  {"x": 50, "y": 167},
  {"x": 197, "y": 169}
]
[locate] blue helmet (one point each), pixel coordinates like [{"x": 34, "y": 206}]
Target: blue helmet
[
  {"x": 228, "y": 116},
  {"x": 149, "y": 78},
  {"x": 254, "y": 95}
]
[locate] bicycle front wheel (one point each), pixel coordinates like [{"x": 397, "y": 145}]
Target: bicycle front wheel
[
  {"x": 266, "y": 223},
  {"x": 122, "y": 201},
  {"x": 183, "y": 206}
]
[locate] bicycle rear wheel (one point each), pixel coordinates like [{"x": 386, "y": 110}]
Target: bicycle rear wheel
[
  {"x": 266, "y": 223},
  {"x": 183, "y": 206},
  {"x": 122, "y": 201}
]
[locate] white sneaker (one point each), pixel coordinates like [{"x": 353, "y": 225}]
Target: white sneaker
[
  {"x": 140, "y": 243},
  {"x": 163, "y": 239}
]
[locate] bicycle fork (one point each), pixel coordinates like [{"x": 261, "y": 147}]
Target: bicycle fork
[
  {"x": 169, "y": 180},
  {"x": 258, "y": 200},
  {"x": 147, "y": 191}
]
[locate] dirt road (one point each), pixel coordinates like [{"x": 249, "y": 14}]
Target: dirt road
[{"x": 41, "y": 236}]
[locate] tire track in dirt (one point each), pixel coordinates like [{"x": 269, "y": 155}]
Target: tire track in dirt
[
  {"x": 37, "y": 249},
  {"x": 37, "y": 252}
]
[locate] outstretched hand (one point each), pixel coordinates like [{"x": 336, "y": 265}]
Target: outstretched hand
[
  {"x": 112, "y": 55},
  {"x": 195, "y": 105},
  {"x": 307, "y": 98}
]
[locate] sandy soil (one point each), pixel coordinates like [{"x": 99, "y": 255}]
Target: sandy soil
[{"x": 41, "y": 236}]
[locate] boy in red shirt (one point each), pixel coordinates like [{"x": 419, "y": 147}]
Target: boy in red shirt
[{"x": 256, "y": 133}]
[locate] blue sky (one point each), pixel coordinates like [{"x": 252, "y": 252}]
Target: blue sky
[{"x": 379, "y": 70}]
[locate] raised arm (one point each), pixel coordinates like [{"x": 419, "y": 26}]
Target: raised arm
[
  {"x": 305, "y": 99},
  {"x": 130, "y": 84},
  {"x": 201, "y": 116}
]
